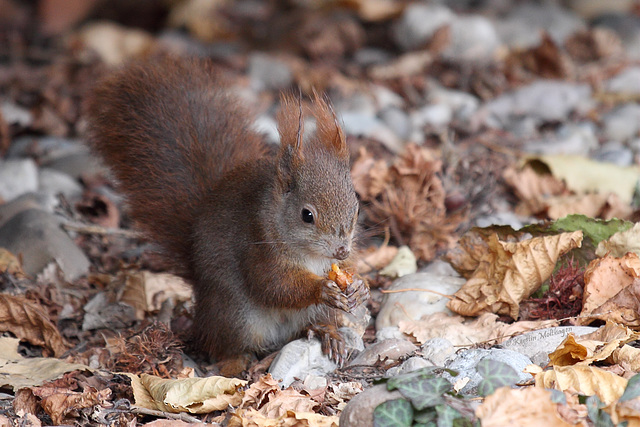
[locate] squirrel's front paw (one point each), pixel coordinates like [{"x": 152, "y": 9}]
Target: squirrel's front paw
[
  {"x": 333, "y": 296},
  {"x": 333, "y": 344},
  {"x": 357, "y": 293}
]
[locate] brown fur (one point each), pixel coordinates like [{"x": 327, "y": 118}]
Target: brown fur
[{"x": 199, "y": 183}]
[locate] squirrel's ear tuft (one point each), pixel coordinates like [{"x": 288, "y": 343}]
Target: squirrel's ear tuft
[
  {"x": 291, "y": 128},
  {"x": 328, "y": 130}
]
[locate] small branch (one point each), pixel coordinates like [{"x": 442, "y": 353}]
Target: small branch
[
  {"x": 160, "y": 414},
  {"x": 395, "y": 291},
  {"x": 101, "y": 231}
]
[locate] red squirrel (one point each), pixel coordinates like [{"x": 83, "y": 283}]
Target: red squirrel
[{"x": 254, "y": 233}]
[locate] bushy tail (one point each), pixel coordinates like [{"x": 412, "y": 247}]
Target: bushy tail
[{"x": 168, "y": 130}]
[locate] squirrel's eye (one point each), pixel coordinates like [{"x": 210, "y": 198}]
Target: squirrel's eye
[{"x": 307, "y": 216}]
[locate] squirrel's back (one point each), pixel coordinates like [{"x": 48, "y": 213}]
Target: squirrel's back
[{"x": 169, "y": 130}]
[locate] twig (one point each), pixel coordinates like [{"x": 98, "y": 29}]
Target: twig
[
  {"x": 161, "y": 414},
  {"x": 395, "y": 291},
  {"x": 101, "y": 231}
]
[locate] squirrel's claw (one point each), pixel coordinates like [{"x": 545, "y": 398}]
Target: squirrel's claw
[
  {"x": 333, "y": 296},
  {"x": 333, "y": 344},
  {"x": 357, "y": 293}
]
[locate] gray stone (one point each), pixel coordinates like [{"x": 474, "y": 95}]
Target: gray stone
[
  {"x": 434, "y": 115},
  {"x": 47, "y": 148},
  {"x": 100, "y": 313},
  {"x": 440, "y": 268},
  {"x": 461, "y": 103},
  {"x": 398, "y": 121},
  {"x": 268, "y": 127},
  {"x": 17, "y": 177},
  {"x": 577, "y": 139},
  {"x": 55, "y": 182},
  {"x": 465, "y": 364},
  {"x": 473, "y": 38},
  {"x": 623, "y": 123},
  {"x": 438, "y": 351},
  {"x": 77, "y": 165},
  {"x": 359, "y": 410},
  {"x": 546, "y": 100},
  {"x": 391, "y": 349},
  {"x": 43, "y": 201},
  {"x": 627, "y": 82},
  {"x": 500, "y": 218},
  {"x": 627, "y": 26},
  {"x": 388, "y": 333},
  {"x": 614, "y": 152},
  {"x": 37, "y": 236},
  {"x": 521, "y": 28},
  {"x": 14, "y": 114},
  {"x": 591, "y": 8},
  {"x": 418, "y": 23},
  {"x": 415, "y": 304},
  {"x": 298, "y": 359},
  {"x": 367, "y": 57},
  {"x": 409, "y": 365},
  {"x": 367, "y": 125},
  {"x": 269, "y": 73},
  {"x": 538, "y": 344}
]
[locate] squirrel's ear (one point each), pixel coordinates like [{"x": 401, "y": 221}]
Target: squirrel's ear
[
  {"x": 291, "y": 128},
  {"x": 328, "y": 129}
]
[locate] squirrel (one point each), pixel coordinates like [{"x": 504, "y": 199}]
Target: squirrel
[{"x": 255, "y": 232}]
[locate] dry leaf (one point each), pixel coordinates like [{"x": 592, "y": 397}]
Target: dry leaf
[
  {"x": 510, "y": 272},
  {"x": 612, "y": 290},
  {"x": 621, "y": 243},
  {"x": 375, "y": 258},
  {"x": 59, "y": 402},
  {"x": 253, "y": 418},
  {"x": 17, "y": 372},
  {"x": 29, "y": 322},
  {"x": 146, "y": 291},
  {"x": 375, "y": 10},
  {"x": 586, "y": 380},
  {"x": 194, "y": 395},
  {"x": 370, "y": 176},
  {"x": 461, "y": 332},
  {"x": 533, "y": 188},
  {"x": 259, "y": 392},
  {"x": 9, "y": 263},
  {"x": 402, "y": 264},
  {"x": 113, "y": 43},
  {"x": 505, "y": 408}
]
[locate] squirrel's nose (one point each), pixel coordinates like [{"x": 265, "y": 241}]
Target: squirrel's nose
[{"x": 341, "y": 253}]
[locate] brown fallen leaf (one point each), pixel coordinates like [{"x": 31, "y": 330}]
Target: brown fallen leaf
[
  {"x": 376, "y": 258},
  {"x": 466, "y": 332},
  {"x": 193, "y": 395},
  {"x": 259, "y": 392},
  {"x": 146, "y": 291},
  {"x": 29, "y": 322},
  {"x": 60, "y": 403},
  {"x": 253, "y": 418},
  {"x": 586, "y": 380},
  {"x": 620, "y": 243},
  {"x": 505, "y": 408},
  {"x": 509, "y": 272},
  {"x": 533, "y": 188},
  {"x": 9, "y": 263},
  {"x": 370, "y": 176},
  {"x": 612, "y": 290}
]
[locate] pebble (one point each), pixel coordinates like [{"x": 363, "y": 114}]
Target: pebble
[
  {"x": 100, "y": 313},
  {"x": 434, "y": 115},
  {"x": 500, "y": 218},
  {"x": 368, "y": 125},
  {"x": 388, "y": 333},
  {"x": 37, "y": 236},
  {"x": 466, "y": 361},
  {"x": 298, "y": 359},
  {"x": 55, "y": 182},
  {"x": 440, "y": 268},
  {"x": 521, "y": 27},
  {"x": 627, "y": 26},
  {"x": 545, "y": 100},
  {"x": 391, "y": 349},
  {"x": 47, "y": 148},
  {"x": 359, "y": 410},
  {"x": 418, "y": 23},
  {"x": 17, "y": 177},
  {"x": 14, "y": 114},
  {"x": 461, "y": 103},
  {"x": 627, "y": 82},
  {"x": 368, "y": 56},
  {"x": 623, "y": 123},
  {"x": 267, "y": 126},
  {"x": 398, "y": 121},
  {"x": 43, "y": 201},
  {"x": 409, "y": 365},
  {"x": 415, "y": 304},
  {"x": 77, "y": 165},
  {"x": 473, "y": 38},
  {"x": 268, "y": 73},
  {"x": 614, "y": 152},
  {"x": 578, "y": 139},
  {"x": 538, "y": 344},
  {"x": 438, "y": 351}
]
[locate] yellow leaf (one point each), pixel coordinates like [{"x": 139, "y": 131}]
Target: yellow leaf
[{"x": 586, "y": 380}]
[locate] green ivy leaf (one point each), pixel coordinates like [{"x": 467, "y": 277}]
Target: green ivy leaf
[
  {"x": 596, "y": 414},
  {"x": 632, "y": 390},
  {"x": 496, "y": 374},
  {"x": 420, "y": 374},
  {"x": 424, "y": 393},
  {"x": 425, "y": 417},
  {"x": 393, "y": 413}
]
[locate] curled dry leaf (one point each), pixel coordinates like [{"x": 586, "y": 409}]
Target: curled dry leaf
[
  {"x": 464, "y": 332},
  {"x": 193, "y": 395},
  {"x": 59, "y": 403},
  {"x": 509, "y": 272},
  {"x": 9, "y": 263},
  {"x": 376, "y": 258},
  {"x": 146, "y": 291},
  {"x": 595, "y": 347},
  {"x": 505, "y": 408},
  {"x": 29, "y": 322},
  {"x": 586, "y": 380},
  {"x": 612, "y": 290},
  {"x": 533, "y": 188},
  {"x": 259, "y": 392},
  {"x": 621, "y": 243}
]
